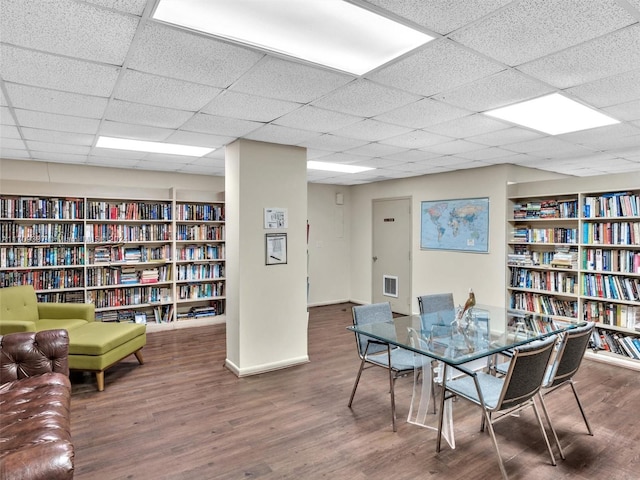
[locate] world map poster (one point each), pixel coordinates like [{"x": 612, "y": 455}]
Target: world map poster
[{"x": 460, "y": 224}]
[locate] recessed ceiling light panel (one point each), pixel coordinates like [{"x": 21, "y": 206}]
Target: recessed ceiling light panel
[
  {"x": 152, "y": 147},
  {"x": 336, "y": 167},
  {"x": 553, "y": 114},
  {"x": 333, "y": 33}
]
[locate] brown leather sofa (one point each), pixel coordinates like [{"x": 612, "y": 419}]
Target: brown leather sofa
[{"x": 35, "y": 397}]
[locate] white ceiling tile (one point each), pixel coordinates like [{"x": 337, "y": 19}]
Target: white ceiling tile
[
  {"x": 136, "y": 132},
  {"x": 530, "y": 29},
  {"x": 612, "y": 144},
  {"x": 284, "y": 80},
  {"x": 413, "y": 156},
  {"x": 6, "y": 118},
  {"x": 55, "y": 136},
  {"x": 52, "y": 101},
  {"x": 610, "y": 90},
  {"x": 422, "y": 113},
  {"x": 416, "y": 139},
  {"x": 68, "y": 28},
  {"x": 494, "y": 91},
  {"x": 13, "y": 143},
  {"x": 164, "y": 92},
  {"x": 605, "y": 56},
  {"x": 199, "y": 139},
  {"x": 505, "y": 137},
  {"x": 172, "y": 52},
  {"x": 442, "y": 16},
  {"x": 13, "y": 153},
  {"x": 135, "y": 7},
  {"x": 371, "y": 130},
  {"x": 9, "y": 131},
  {"x": 51, "y": 121},
  {"x": 375, "y": 162},
  {"x": 281, "y": 135},
  {"x": 617, "y": 166},
  {"x": 248, "y": 107},
  {"x": 57, "y": 148},
  {"x": 490, "y": 153},
  {"x": 439, "y": 66},
  {"x": 342, "y": 158},
  {"x": 317, "y": 119},
  {"x": 365, "y": 98},
  {"x": 543, "y": 143},
  {"x": 168, "y": 159},
  {"x": 594, "y": 135},
  {"x": 333, "y": 143},
  {"x": 467, "y": 126},
  {"x": 59, "y": 73},
  {"x": 115, "y": 162},
  {"x": 376, "y": 150},
  {"x": 452, "y": 148},
  {"x": 215, "y": 125},
  {"x": 121, "y": 111},
  {"x": 625, "y": 111},
  {"x": 59, "y": 157}
]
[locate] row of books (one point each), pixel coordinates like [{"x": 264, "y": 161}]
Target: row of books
[
  {"x": 529, "y": 323},
  {"x": 99, "y": 210},
  {"x": 35, "y": 207},
  {"x": 616, "y": 314},
  {"x": 110, "y": 232},
  {"x": 74, "y": 296},
  {"x": 215, "y": 307},
  {"x": 11, "y": 232},
  {"x": 120, "y": 253},
  {"x": 23, "y": 257},
  {"x": 202, "y": 290},
  {"x": 614, "y": 287},
  {"x": 200, "y": 212},
  {"x": 546, "y": 209},
  {"x": 619, "y": 204},
  {"x": 199, "y": 271},
  {"x": 551, "y": 281},
  {"x": 200, "y": 232},
  {"x": 611, "y": 260},
  {"x": 163, "y": 313},
  {"x": 200, "y": 252},
  {"x": 43, "y": 279},
  {"x": 118, "y": 297},
  {"x": 545, "y": 304},
  {"x": 545, "y": 235},
  {"x": 616, "y": 342},
  {"x": 611, "y": 233},
  {"x": 126, "y": 275}
]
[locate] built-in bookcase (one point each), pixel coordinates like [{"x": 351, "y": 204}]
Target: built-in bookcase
[
  {"x": 160, "y": 260},
  {"x": 577, "y": 256}
]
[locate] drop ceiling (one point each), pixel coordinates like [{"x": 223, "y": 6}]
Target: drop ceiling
[{"x": 72, "y": 71}]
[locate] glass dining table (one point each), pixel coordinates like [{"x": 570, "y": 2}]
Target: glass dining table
[{"x": 440, "y": 341}]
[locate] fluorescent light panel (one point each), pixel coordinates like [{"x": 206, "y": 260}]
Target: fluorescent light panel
[
  {"x": 336, "y": 167},
  {"x": 333, "y": 33},
  {"x": 152, "y": 147},
  {"x": 553, "y": 114}
]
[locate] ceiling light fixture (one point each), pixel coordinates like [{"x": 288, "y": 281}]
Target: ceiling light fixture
[
  {"x": 336, "y": 167},
  {"x": 333, "y": 33},
  {"x": 152, "y": 147},
  {"x": 554, "y": 114}
]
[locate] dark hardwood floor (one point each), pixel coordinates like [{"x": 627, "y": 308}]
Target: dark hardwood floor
[{"x": 182, "y": 415}]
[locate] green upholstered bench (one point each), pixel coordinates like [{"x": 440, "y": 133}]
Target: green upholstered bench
[{"x": 96, "y": 346}]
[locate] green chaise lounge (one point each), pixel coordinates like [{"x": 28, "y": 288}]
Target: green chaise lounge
[{"x": 93, "y": 346}]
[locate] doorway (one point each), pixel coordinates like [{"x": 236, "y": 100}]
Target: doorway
[{"x": 391, "y": 249}]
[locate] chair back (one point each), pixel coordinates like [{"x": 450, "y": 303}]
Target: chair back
[
  {"x": 439, "y": 304},
  {"x": 367, "y": 314},
  {"x": 526, "y": 371},
  {"x": 569, "y": 355}
]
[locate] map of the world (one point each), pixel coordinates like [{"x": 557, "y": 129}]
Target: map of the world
[{"x": 456, "y": 225}]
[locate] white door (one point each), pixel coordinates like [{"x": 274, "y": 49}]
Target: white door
[{"x": 391, "y": 268}]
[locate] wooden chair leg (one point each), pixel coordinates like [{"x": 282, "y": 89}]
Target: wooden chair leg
[
  {"x": 138, "y": 354},
  {"x": 100, "y": 380}
]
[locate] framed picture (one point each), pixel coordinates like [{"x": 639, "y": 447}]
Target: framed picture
[
  {"x": 276, "y": 248},
  {"x": 457, "y": 224}
]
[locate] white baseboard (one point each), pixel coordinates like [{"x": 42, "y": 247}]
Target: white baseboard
[{"x": 265, "y": 367}]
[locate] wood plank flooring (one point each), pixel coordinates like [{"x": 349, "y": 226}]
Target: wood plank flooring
[{"x": 182, "y": 415}]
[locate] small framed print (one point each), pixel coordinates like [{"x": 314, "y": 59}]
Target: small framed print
[{"x": 276, "y": 248}]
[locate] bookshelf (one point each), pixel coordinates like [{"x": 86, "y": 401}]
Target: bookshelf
[
  {"x": 576, "y": 256},
  {"x": 161, "y": 260}
]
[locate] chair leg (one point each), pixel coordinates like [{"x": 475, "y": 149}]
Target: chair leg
[
  {"x": 391, "y": 391},
  {"x": 584, "y": 417},
  {"x": 355, "y": 385},
  {"x": 553, "y": 430},
  {"x": 487, "y": 417},
  {"x": 544, "y": 433}
]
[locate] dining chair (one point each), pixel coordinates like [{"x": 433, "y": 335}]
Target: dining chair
[
  {"x": 440, "y": 304},
  {"x": 397, "y": 361},
  {"x": 505, "y": 395}
]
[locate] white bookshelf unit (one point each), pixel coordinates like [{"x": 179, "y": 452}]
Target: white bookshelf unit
[
  {"x": 576, "y": 256},
  {"x": 154, "y": 260}
]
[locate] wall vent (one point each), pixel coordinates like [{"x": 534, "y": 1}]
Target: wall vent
[{"x": 390, "y": 286}]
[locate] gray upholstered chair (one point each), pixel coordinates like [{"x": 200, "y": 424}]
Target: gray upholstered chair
[
  {"x": 397, "y": 361},
  {"x": 501, "y": 396},
  {"x": 440, "y": 304}
]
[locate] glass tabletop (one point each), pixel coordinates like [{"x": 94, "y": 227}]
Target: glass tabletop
[{"x": 484, "y": 331}]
